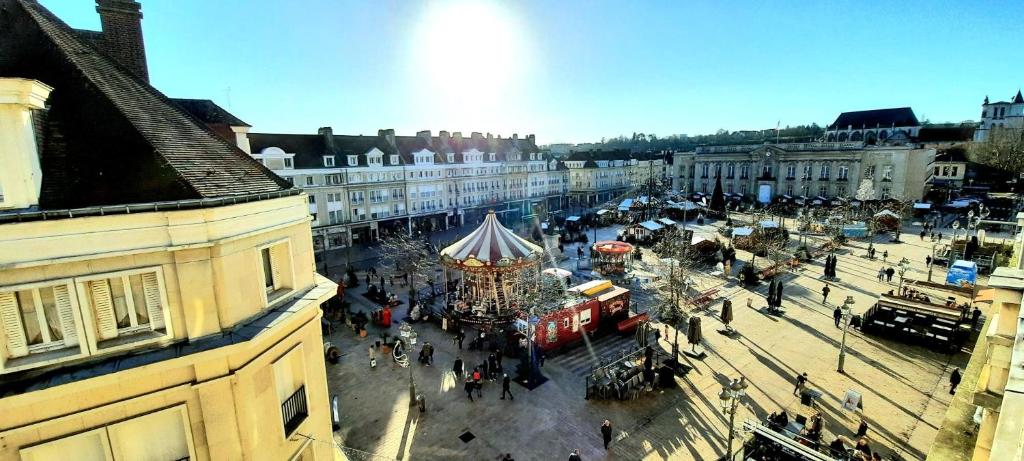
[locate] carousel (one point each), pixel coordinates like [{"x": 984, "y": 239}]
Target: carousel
[
  {"x": 612, "y": 257},
  {"x": 491, "y": 270}
]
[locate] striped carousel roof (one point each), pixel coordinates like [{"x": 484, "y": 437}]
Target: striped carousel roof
[{"x": 491, "y": 244}]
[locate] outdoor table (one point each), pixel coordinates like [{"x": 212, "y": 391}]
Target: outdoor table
[
  {"x": 794, "y": 428},
  {"x": 900, "y": 319}
]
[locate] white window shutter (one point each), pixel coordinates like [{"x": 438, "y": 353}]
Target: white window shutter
[
  {"x": 11, "y": 318},
  {"x": 65, "y": 310},
  {"x": 151, "y": 287},
  {"x": 278, "y": 255},
  {"x": 106, "y": 324}
]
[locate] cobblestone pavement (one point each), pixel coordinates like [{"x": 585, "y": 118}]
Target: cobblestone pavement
[{"x": 903, "y": 385}]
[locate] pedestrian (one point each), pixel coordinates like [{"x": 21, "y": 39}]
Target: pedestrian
[
  {"x": 459, "y": 337},
  {"x": 469, "y": 386},
  {"x": 484, "y": 371},
  {"x": 975, "y": 315},
  {"x": 928, "y": 261},
  {"x": 939, "y": 236},
  {"x": 922, "y": 235},
  {"x": 458, "y": 369},
  {"x": 837, "y": 315},
  {"x": 540, "y": 357},
  {"x": 881, "y": 273},
  {"x": 932, "y": 236},
  {"x": 575, "y": 455},
  {"x": 885, "y": 254},
  {"x": 862, "y": 429},
  {"x": 492, "y": 366},
  {"x": 606, "y": 433},
  {"x": 367, "y": 278},
  {"x": 478, "y": 382},
  {"x": 824, "y": 293},
  {"x": 889, "y": 273},
  {"x": 801, "y": 383},
  {"x": 954, "y": 380},
  {"x": 506, "y": 384}
]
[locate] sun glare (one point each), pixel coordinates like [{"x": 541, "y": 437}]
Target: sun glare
[{"x": 469, "y": 51}]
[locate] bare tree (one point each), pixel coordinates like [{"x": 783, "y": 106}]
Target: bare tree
[
  {"x": 671, "y": 292},
  {"x": 403, "y": 254},
  {"x": 1003, "y": 149}
]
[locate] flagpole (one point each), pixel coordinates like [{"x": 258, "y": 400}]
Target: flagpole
[{"x": 777, "y": 131}]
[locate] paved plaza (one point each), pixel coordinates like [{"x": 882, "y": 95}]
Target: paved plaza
[{"x": 904, "y": 387}]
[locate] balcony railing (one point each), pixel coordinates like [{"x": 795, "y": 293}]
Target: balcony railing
[{"x": 293, "y": 410}]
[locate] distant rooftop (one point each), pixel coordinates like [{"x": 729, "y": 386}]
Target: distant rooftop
[{"x": 876, "y": 118}]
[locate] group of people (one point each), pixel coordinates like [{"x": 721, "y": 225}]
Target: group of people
[{"x": 885, "y": 274}]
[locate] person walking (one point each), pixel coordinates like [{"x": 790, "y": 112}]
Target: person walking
[
  {"x": 954, "y": 380},
  {"x": 575, "y": 455},
  {"x": 837, "y": 315},
  {"x": 459, "y": 337},
  {"x": 824, "y": 293},
  {"x": 862, "y": 429},
  {"x": 881, "y": 274},
  {"x": 506, "y": 384},
  {"x": 478, "y": 382},
  {"x": 939, "y": 236},
  {"x": 458, "y": 369},
  {"x": 928, "y": 261},
  {"x": 469, "y": 386},
  {"x": 975, "y": 316},
  {"x": 885, "y": 255},
  {"x": 606, "y": 433},
  {"x": 492, "y": 366},
  {"x": 484, "y": 371},
  {"x": 889, "y": 273},
  {"x": 922, "y": 234},
  {"x": 801, "y": 383}
]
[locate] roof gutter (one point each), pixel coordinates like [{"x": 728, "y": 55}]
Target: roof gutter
[{"x": 149, "y": 207}]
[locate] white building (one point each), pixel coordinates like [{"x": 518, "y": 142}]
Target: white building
[
  {"x": 1000, "y": 114},
  {"x": 362, "y": 186}
]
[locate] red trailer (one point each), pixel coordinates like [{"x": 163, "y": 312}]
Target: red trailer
[{"x": 562, "y": 327}]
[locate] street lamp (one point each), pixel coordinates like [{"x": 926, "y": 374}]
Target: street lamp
[
  {"x": 955, "y": 226},
  {"x": 405, "y": 331},
  {"x": 729, "y": 398},
  {"x": 846, "y": 309},
  {"x": 904, "y": 266},
  {"x": 932, "y": 263}
]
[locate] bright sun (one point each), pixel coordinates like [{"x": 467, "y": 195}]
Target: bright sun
[{"x": 469, "y": 50}]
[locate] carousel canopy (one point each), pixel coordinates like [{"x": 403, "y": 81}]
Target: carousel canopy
[
  {"x": 612, "y": 247},
  {"x": 491, "y": 245},
  {"x": 887, "y": 213}
]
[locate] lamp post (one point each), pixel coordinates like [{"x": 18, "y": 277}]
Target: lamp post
[
  {"x": 846, "y": 310},
  {"x": 904, "y": 266},
  {"x": 409, "y": 335},
  {"x": 729, "y": 398},
  {"x": 933, "y": 262},
  {"x": 956, "y": 227}
]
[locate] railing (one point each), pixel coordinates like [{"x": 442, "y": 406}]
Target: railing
[{"x": 293, "y": 410}]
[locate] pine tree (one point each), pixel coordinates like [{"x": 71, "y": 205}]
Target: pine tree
[{"x": 717, "y": 198}]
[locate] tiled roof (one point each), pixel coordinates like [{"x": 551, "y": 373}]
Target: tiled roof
[
  {"x": 900, "y": 116},
  {"x": 208, "y": 112},
  {"x": 111, "y": 138},
  {"x": 945, "y": 133}
]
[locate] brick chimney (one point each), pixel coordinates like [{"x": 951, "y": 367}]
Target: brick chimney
[
  {"x": 121, "y": 22},
  {"x": 532, "y": 139},
  {"x": 424, "y": 135},
  {"x": 327, "y": 133},
  {"x": 444, "y": 137},
  {"x": 389, "y": 136},
  {"x": 457, "y": 136}
]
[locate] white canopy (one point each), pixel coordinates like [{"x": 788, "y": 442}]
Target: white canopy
[
  {"x": 624, "y": 206},
  {"x": 769, "y": 225},
  {"x": 667, "y": 222},
  {"x": 923, "y": 206},
  {"x": 742, "y": 231},
  {"x": 572, "y": 218},
  {"x": 557, "y": 272},
  {"x": 603, "y": 211}
]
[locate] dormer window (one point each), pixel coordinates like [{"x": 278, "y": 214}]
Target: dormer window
[
  {"x": 288, "y": 164},
  {"x": 353, "y": 160},
  {"x": 328, "y": 161},
  {"x": 393, "y": 159},
  {"x": 493, "y": 156},
  {"x": 451, "y": 158}
]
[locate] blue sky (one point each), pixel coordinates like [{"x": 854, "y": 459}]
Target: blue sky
[{"x": 572, "y": 70}]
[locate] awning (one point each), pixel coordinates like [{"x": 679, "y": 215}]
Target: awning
[
  {"x": 742, "y": 231},
  {"x": 572, "y": 218},
  {"x": 560, "y": 273},
  {"x": 651, "y": 225},
  {"x": 603, "y": 211},
  {"x": 769, "y": 225},
  {"x": 624, "y": 206},
  {"x": 922, "y": 206},
  {"x": 667, "y": 222},
  {"x": 642, "y": 199}
]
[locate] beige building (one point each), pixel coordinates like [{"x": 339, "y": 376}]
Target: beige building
[
  {"x": 764, "y": 172},
  {"x": 157, "y": 293},
  {"x": 991, "y": 427},
  {"x": 596, "y": 177}
]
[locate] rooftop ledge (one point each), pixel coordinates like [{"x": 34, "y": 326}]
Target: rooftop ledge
[
  {"x": 24, "y": 92},
  {"x": 36, "y": 380}
]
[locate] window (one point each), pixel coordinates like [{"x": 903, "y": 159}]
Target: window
[
  {"x": 275, "y": 264},
  {"x": 824, "y": 172},
  {"x": 728, "y": 188},
  {"x": 936, "y": 171},
  {"x": 844, "y": 172},
  {"x": 127, "y": 440},
  {"x": 288, "y": 163},
  {"x": 731, "y": 171},
  {"x": 953, "y": 171},
  {"x": 312, "y": 199},
  {"x": 807, "y": 171},
  {"x": 823, "y": 191},
  {"x": 328, "y": 161},
  {"x": 310, "y": 181},
  {"x": 791, "y": 171},
  {"x": 789, "y": 190},
  {"x": 125, "y": 307},
  {"x": 869, "y": 172},
  {"x": 885, "y": 193},
  {"x": 333, "y": 179},
  {"x": 704, "y": 170},
  {"x": 289, "y": 382},
  {"x": 887, "y": 173},
  {"x": 37, "y": 319},
  {"x": 945, "y": 171}
]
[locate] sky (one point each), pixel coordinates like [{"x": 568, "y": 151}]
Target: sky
[{"x": 575, "y": 70}]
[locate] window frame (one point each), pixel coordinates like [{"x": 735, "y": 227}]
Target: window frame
[
  {"x": 79, "y": 325},
  {"x": 81, "y": 286},
  {"x": 328, "y": 161},
  {"x": 281, "y": 288}
]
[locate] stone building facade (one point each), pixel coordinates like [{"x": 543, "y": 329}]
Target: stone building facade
[
  {"x": 1000, "y": 114},
  {"x": 763, "y": 172}
]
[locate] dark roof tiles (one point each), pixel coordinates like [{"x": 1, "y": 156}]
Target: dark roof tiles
[{"x": 899, "y": 116}]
